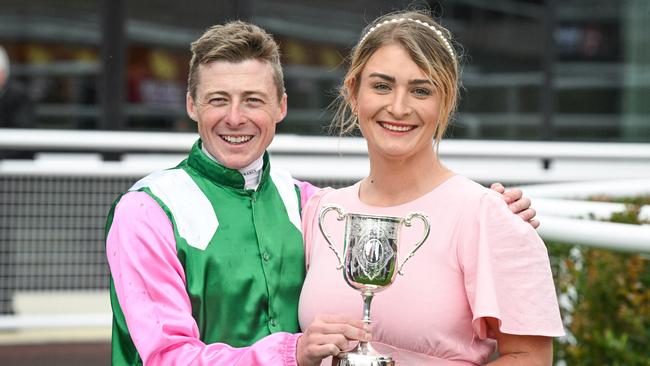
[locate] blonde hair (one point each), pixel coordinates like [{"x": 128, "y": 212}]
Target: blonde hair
[
  {"x": 430, "y": 50},
  {"x": 235, "y": 41}
]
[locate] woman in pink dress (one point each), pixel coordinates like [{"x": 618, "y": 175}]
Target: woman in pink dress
[{"x": 482, "y": 281}]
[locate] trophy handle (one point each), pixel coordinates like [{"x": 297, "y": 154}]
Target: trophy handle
[
  {"x": 321, "y": 218},
  {"x": 427, "y": 229}
]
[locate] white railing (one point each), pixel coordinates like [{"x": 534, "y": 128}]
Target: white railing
[
  {"x": 510, "y": 162},
  {"x": 55, "y": 321},
  {"x": 69, "y": 140},
  {"x": 553, "y": 168},
  {"x": 606, "y": 235},
  {"x": 567, "y": 216}
]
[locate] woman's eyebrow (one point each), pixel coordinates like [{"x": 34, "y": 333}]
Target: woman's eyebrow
[{"x": 392, "y": 79}]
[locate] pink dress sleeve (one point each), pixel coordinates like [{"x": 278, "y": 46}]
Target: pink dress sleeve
[
  {"x": 507, "y": 272},
  {"x": 306, "y": 191},
  {"x": 310, "y": 215},
  {"x": 150, "y": 285}
]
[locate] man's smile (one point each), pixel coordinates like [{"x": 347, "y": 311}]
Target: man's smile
[{"x": 236, "y": 139}]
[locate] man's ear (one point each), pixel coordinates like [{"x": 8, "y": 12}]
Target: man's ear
[
  {"x": 190, "y": 107},
  {"x": 283, "y": 108}
]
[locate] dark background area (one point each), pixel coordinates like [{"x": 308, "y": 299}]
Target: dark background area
[{"x": 533, "y": 69}]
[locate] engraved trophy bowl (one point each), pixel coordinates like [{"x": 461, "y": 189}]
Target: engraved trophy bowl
[{"x": 370, "y": 264}]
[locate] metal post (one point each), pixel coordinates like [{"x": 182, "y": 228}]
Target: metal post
[
  {"x": 548, "y": 95},
  {"x": 113, "y": 72}
]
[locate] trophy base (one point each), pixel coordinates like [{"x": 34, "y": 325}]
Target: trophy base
[{"x": 357, "y": 359}]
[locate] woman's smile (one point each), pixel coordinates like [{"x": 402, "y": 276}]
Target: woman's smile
[{"x": 396, "y": 126}]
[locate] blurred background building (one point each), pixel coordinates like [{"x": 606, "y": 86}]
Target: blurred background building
[{"x": 534, "y": 69}]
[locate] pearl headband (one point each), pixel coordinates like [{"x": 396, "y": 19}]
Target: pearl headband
[{"x": 399, "y": 20}]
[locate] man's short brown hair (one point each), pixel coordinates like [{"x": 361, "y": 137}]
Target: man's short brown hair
[{"x": 235, "y": 41}]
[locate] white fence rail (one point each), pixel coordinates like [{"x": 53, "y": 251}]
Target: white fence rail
[
  {"x": 559, "y": 177},
  {"x": 606, "y": 235},
  {"x": 55, "y": 321},
  {"x": 66, "y": 140},
  {"x": 567, "y": 216},
  {"x": 510, "y": 162}
]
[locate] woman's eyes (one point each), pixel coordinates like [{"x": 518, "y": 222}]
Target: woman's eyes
[
  {"x": 382, "y": 87},
  {"x": 418, "y": 92},
  {"x": 422, "y": 92}
]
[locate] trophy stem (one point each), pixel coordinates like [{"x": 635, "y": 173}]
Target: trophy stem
[
  {"x": 367, "y": 299},
  {"x": 367, "y": 296}
]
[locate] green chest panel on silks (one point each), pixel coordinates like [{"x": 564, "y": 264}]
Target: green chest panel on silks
[{"x": 241, "y": 250}]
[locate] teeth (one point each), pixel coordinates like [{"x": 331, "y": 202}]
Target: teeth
[
  {"x": 237, "y": 139},
  {"x": 396, "y": 128}
]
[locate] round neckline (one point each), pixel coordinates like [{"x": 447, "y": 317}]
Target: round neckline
[{"x": 434, "y": 190}]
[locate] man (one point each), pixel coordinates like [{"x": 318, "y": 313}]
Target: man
[
  {"x": 207, "y": 259},
  {"x": 16, "y": 109},
  {"x": 16, "y": 106}
]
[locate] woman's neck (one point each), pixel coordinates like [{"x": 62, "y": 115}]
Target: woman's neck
[{"x": 393, "y": 182}]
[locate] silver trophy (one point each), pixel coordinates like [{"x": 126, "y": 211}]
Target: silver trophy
[{"x": 370, "y": 265}]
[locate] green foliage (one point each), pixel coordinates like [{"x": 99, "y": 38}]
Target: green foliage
[{"x": 605, "y": 301}]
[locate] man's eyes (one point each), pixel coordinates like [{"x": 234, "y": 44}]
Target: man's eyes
[
  {"x": 254, "y": 100},
  {"x": 217, "y": 100},
  {"x": 222, "y": 100}
]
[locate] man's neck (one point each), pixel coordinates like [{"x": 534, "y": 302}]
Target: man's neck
[{"x": 251, "y": 173}]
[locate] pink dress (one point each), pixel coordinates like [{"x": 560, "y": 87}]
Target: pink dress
[{"x": 480, "y": 260}]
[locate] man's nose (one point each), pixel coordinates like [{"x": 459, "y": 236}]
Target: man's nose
[{"x": 235, "y": 116}]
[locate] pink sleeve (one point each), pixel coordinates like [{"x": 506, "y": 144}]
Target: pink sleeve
[
  {"x": 310, "y": 215},
  {"x": 507, "y": 272},
  {"x": 306, "y": 191},
  {"x": 150, "y": 285}
]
